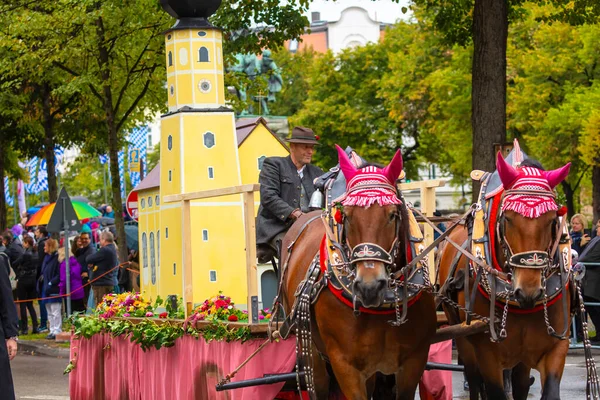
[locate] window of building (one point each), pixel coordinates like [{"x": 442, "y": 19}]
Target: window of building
[
  {"x": 174, "y": 269},
  {"x": 149, "y": 140},
  {"x": 170, "y": 56},
  {"x": 144, "y": 250},
  {"x": 204, "y": 86},
  {"x": 209, "y": 139},
  {"x": 211, "y": 173},
  {"x": 261, "y": 160},
  {"x": 152, "y": 260},
  {"x": 172, "y": 90},
  {"x": 170, "y": 142},
  {"x": 158, "y": 247},
  {"x": 201, "y": 33},
  {"x": 157, "y": 200},
  {"x": 143, "y": 203},
  {"x": 166, "y": 232},
  {"x": 170, "y": 175},
  {"x": 149, "y": 201},
  {"x": 203, "y": 54},
  {"x": 212, "y": 275},
  {"x": 205, "y": 235}
]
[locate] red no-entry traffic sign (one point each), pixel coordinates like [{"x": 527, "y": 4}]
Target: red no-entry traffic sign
[{"x": 131, "y": 205}]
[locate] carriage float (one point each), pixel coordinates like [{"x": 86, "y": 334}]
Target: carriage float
[{"x": 359, "y": 285}]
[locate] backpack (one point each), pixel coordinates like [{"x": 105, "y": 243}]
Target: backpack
[{"x": 11, "y": 273}]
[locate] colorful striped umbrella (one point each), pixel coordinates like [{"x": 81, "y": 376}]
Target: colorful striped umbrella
[{"x": 83, "y": 211}]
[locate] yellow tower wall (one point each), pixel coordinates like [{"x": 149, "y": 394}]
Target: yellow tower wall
[{"x": 149, "y": 241}]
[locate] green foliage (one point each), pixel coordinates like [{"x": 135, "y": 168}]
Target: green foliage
[
  {"x": 148, "y": 333},
  {"x": 84, "y": 177},
  {"x": 153, "y": 157}
]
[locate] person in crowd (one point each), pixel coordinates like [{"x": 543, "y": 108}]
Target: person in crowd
[
  {"x": 441, "y": 226},
  {"x": 14, "y": 249},
  {"x": 286, "y": 186},
  {"x": 579, "y": 234},
  {"x": 109, "y": 212},
  {"x": 100, "y": 263},
  {"x": 26, "y": 270},
  {"x": 590, "y": 257},
  {"x": 18, "y": 232},
  {"x": 49, "y": 287},
  {"x": 41, "y": 236},
  {"x": 83, "y": 251},
  {"x": 77, "y": 293},
  {"x": 8, "y": 331}
]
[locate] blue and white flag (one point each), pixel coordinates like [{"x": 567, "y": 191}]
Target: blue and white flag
[
  {"x": 138, "y": 139},
  {"x": 10, "y": 201},
  {"x": 103, "y": 159}
]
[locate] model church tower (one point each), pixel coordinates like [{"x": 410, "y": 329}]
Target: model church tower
[{"x": 199, "y": 152}]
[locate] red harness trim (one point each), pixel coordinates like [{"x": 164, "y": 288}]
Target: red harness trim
[
  {"x": 492, "y": 234},
  {"x": 338, "y": 292}
]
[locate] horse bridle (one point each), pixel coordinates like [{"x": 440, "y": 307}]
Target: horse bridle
[
  {"x": 536, "y": 259},
  {"x": 540, "y": 260}
]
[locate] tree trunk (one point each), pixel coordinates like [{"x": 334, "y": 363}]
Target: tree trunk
[
  {"x": 569, "y": 194},
  {"x": 113, "y": 139},
  {"x": 488, "y": 94},
  {"x": 596, "y": 192},
  {"x": 3, "y": 189},
  {"x": 49, "y": 142}
]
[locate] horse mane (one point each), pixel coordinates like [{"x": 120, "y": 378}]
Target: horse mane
[{"x": 532, "y": 163}]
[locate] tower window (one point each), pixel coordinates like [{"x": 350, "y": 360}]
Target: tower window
[
  {"x": 261, "y": 160},
  {"x": 168, "y": 37},
  {"x": 149, "y": 201},
  {"x": 201, "y": 33},
  {"x": 166, "y": 232},
  {"x": 203, "y": 54},
  {"x": 205, "y": 235},
  {"x": 174, "y": 268},
  {"x": 211, "y": 173},
  {"x": 170, "y": 176},
  {"x": 157, "y": 200},
  {"x": 143, "y": 204},
  {"x": 170, "y": 142},
  {"x": 152, "y": 260},
  {"x": 209, "y": 139},
  {"x": 144, "y": 250},
  {"x": 172, "y": 90},
  {"x": 170, "y": 56},
  {"x": 212, "y": 275}
]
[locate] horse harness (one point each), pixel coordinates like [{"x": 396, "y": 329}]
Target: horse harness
[{"x": 485, "y": 230}]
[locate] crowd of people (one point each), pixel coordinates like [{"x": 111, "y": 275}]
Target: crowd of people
[{"x": 36, "y": 264}]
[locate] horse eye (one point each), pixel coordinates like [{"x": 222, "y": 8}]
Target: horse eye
[{"x": 392, "y": 216}]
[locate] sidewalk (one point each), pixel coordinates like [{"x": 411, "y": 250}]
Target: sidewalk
[{"x": 44, "y": 347}]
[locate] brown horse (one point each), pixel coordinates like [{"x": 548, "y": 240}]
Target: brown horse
[
  {"x": 525, "y": 237},
  {"x": 359, "y": 346}
]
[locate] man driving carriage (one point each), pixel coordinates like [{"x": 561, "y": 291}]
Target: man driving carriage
[{"x": 286, "y": 186}]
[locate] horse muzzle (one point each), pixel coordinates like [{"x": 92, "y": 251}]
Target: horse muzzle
[
  {"x": 371, "y": 293},
  {"x": 528, "y": 300}
]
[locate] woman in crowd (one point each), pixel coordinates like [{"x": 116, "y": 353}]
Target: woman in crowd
[
  {"x": 579, "y": 236},
  {"x": 75, "y": 279},
  {"x": 49, "y": 283},
  {"x": 26, "y": 271}
]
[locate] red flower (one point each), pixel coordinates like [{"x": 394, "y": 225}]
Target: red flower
[
  {"x": 317, "y": 137},
  {"x": 338, "y": 216},
  {"x": 163, "y": 315},
  {"x": 232, "y": 318},
  {"x": 220, "y": 304}
]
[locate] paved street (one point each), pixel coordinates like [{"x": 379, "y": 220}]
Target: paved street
[{"x": 41, "y": 378}]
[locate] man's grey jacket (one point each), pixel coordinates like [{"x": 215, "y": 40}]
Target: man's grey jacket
[{"x": 280, "y": 192}]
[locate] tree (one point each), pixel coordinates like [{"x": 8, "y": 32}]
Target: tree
[
  {"x": 84, "y": 177},
  {"x": 554, "y": 95},
  {"x": 486, "y": 22}
]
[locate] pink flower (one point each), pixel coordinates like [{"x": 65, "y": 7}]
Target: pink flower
[
  {"x": 149, "y": 314},
  {"x": 261, "y": 317},
  {"x": 127, "y": 315}
]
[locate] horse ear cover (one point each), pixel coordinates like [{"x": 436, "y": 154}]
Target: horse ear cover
[
  {"x": 394, "y": 168},
  {"x": 346, "y": 166},
  {"x": 556, "y": 176},
  {"x": 508, "y": 174}
]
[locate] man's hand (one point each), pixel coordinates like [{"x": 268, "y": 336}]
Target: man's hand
[
  {"x": 11, "y": 346},
  {"x": 84, "y": 275},
  {"x": 296, "y": 214}
]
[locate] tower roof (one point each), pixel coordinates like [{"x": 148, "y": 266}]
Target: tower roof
[
  {"x": 152, "y": 180},
  {"x": 245, "y": 126}
]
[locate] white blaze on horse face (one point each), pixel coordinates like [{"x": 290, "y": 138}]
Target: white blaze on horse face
[{"x": 369, "y": 264}]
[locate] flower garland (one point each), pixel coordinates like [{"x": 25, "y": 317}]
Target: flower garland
[{"x": 126, "y": 304}]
